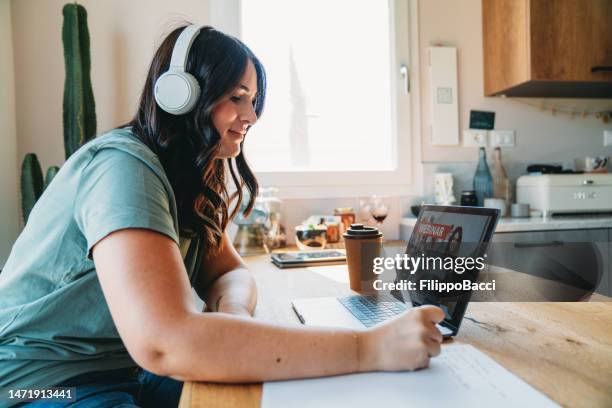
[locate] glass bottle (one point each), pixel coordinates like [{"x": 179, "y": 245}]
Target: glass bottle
[
  {"x": 483, "y": 182},
  {"x": 275, "y": 235},
  {"x": 501, "y": 183}
]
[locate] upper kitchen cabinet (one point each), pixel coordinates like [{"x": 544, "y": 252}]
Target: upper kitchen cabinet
[{"x": 547, "y": 48}]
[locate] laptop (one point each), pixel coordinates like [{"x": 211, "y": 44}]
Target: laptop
[{"x": 440, "y": 232}]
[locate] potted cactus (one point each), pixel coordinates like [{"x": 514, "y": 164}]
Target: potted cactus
[{"x": 79, "y": 108}]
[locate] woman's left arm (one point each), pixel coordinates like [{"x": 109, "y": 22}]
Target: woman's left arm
[{"x": 224, "y": 282}]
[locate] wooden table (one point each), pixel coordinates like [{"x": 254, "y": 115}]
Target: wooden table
[{"x": 562, "y": 349}]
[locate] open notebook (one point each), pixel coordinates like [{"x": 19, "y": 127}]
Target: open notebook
[{"x": 461, "y": 376}]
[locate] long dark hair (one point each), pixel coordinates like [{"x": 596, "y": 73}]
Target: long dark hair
[{"x": 187, "y": 145}]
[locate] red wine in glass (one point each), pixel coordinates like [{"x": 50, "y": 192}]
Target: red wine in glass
[
  {"x": 378, "y": 210},
  {"x": 379, "y": 217}
]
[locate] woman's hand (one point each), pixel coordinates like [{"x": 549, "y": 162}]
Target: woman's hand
[{"x": 404, "y": 343}]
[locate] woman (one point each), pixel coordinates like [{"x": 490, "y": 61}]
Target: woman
[{"x": 99, "y": 282}]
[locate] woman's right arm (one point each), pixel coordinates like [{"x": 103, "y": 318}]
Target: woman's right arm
[{"x": 146, "y": 287}]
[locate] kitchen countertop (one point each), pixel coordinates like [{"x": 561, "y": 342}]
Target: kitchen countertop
[{"x": 565, "y": 222}]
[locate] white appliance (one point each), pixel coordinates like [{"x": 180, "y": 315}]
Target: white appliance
[
  {"x": 566, "y": 193},
  {"x": 444, "y": 108}
]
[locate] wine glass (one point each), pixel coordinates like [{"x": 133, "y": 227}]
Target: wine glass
[
  {"x": 379, "y": 209},
  {"x": 364, "y": 210}
]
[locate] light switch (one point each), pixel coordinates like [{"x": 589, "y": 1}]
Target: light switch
[
  {"x": 445, "y": 95},
  {"x": 607, "y": 137},
  {"x": 501, "y": 138},
  {"x": 474, "y": 138}
]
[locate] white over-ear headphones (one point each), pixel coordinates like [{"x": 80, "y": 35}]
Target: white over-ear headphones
[{"x": 177, "y": 91}]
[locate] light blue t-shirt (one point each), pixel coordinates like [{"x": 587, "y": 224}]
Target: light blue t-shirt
[{"x": 54, "y": 319}]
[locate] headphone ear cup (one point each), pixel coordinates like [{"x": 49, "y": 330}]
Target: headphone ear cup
[
  {"x": 195, "y": 92},
  {"x": 176, "y": 92}
]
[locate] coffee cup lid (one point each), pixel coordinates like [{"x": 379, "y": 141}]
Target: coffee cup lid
[{"x": 362, "y": 231}]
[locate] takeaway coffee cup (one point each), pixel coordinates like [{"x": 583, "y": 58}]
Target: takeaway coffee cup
[{"x": 362, "y": 244}]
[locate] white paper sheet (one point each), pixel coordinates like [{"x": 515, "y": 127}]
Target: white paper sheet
[
  {"x": 461, "y": 376},
  {"x": 338, "y": 273}
]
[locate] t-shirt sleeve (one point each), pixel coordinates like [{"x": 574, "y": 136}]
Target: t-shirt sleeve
[{"x": 117, "y": 191}]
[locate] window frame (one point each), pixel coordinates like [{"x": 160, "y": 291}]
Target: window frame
[{"x": 404, "y": 179}]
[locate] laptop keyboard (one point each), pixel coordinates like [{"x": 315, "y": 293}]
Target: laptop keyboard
[{"x": 371, "y": 310}]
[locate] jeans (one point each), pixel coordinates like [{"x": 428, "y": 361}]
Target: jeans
[{"x": 119, "y": 388}]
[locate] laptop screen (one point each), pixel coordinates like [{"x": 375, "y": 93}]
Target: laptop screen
[
  {"x": 453, "y": 226},
  {"x": 448, "y": 242}
]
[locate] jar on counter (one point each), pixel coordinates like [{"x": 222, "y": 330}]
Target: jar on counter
[
  {"x": 347, "y": 216},
  {"x": 333, "y": 232},
  {"x": 469, "y": 199}
]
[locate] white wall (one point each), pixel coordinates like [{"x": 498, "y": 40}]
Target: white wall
[
  {"x": 9, "y": 212},
  {"x": 540, "y": 137},
  {"x": 123, "y": 37}
]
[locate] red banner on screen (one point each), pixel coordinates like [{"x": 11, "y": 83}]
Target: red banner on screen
[{"x": 439, "y": 231}]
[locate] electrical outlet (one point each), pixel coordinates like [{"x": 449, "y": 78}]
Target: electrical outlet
[
  {"x": 607, "y": 137},
  {"x": 474, "y": 137},
  {"x": 501, "y": 138}
]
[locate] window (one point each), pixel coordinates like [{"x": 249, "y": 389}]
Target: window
[{"x": 337, "y": 109}]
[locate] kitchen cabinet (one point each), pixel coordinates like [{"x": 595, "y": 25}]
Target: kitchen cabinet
[
  {"x": 547, "y": 48},
  {"x": 571, "y": 256}
]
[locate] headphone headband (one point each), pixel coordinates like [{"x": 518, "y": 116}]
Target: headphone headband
[{"x": 180, "y": 52}]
